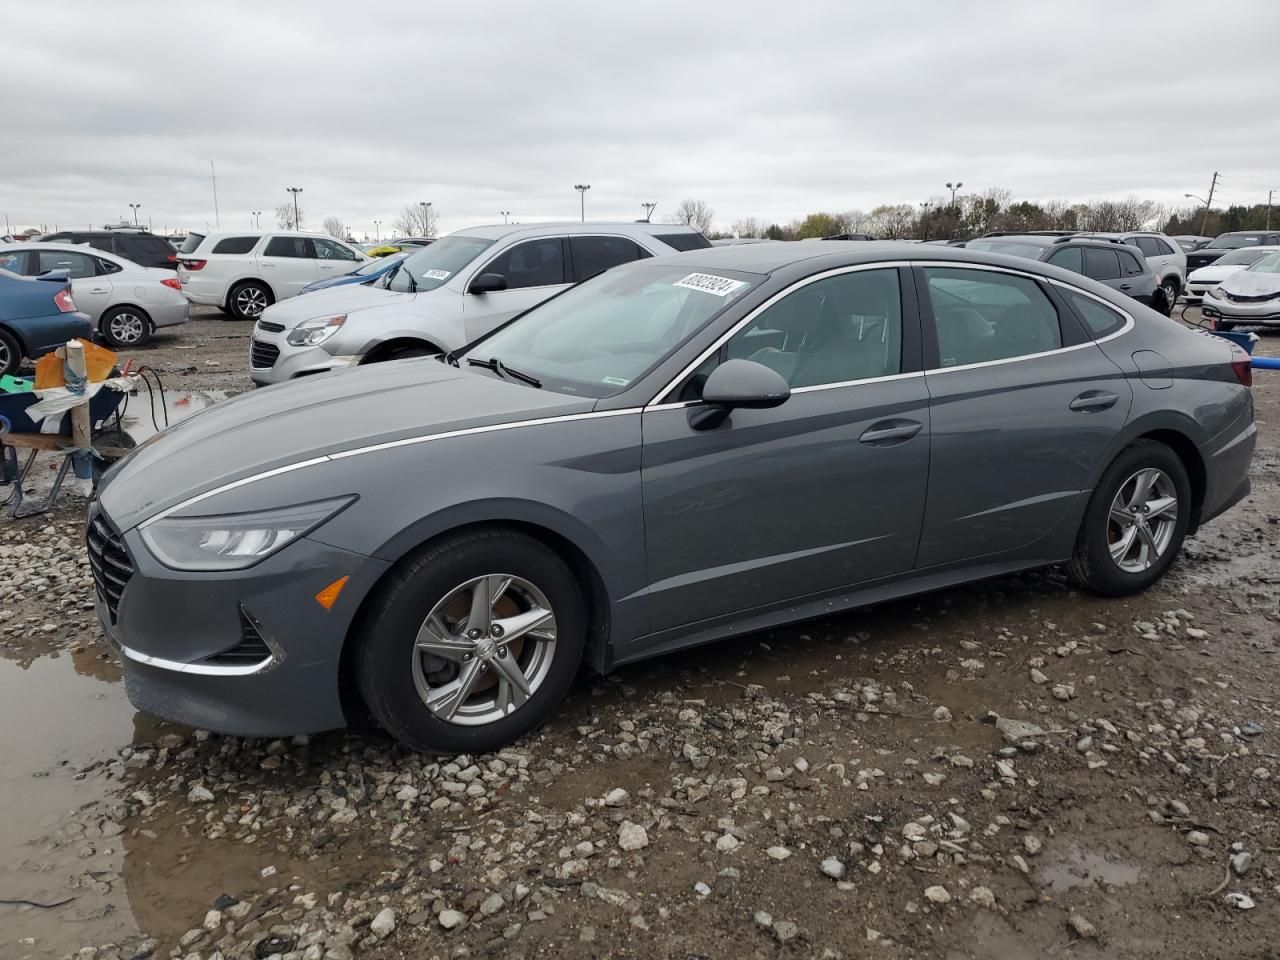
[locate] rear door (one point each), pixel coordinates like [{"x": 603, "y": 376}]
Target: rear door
[
  {"x": 288, "y": 264},
  {"x": 90, "y": 288},
  {"x": 592, "y": 255},
  {"x": 1023, "y": 410},
  {"x": 534, "y": 269}
]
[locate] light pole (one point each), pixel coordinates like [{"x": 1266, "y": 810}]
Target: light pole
[
  {"x": 924, "y": 217},
  {"x": 426, "y": 217},
  {"x": 582, "y": 189},
  {"x": 134, "y": 207},
  {"x": 257, "y": 219},
  {"x": 297, "y": 219},
  {"x": 505, "y": 215},
  {"x": 648, "y": 210},
  {"x": 953, "y": 187},
  {"x": 377, "y": 230}
]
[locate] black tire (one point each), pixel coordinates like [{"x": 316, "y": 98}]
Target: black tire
[
  {"x": 10, "y": 353},
  {"x": 1092, "y": 564},
  {"x": 384, "y": 655},
  {"x": 110, "y": 437},
  {"x": 404, "y": 353},
  {"x": 1168, "y": 295},
  {"x": 247, "y": 300},
  {"x": 125, "y": 327}
]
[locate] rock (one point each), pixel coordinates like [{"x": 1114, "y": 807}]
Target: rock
[
  {"x": 778, "y": 853},
  {"x": 1197, "y": 838},
  {"x": 1016, "y": 731},
  {"x": 199, "y": 794},
  {"x": 1037, "y": 677},
  {"x": 616, "y": 797},
  {"x": 937, "y": 894},
  {"x": 983, "y": 897},
  {"x": 1240, "y": 863},
  {"x": 701, "y": 889},
  {"x": 764, "y": 919},
  {"x": 1083, "y": 928},
  {"x": 727, "y": 843},
  {"x": 785, "y": 930},
  {"x": 1064, "y": 691},
  {"x": 492, "y": 904},
  {"x": 1241, "y": 901},
  {"x": 632, "y": 836},
  {"x": 833, "y": 868},
  {"x": 1032, "y": 844},
  {"x": 383, "y": 923},
  {"x": 451, "y": 919},
  {"x": 942, "y": 715}
]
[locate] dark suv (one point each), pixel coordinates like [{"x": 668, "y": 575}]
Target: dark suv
[
  {"x": 144, "y": 249},
  {"x": 1117, "y": 264},
  {"x": 1224, "y": 243}
]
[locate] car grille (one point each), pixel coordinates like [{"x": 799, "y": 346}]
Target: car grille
[
  {"x": 263, "y": 355},
  {"x": 1241, "y": 298},
  {"x": 266, "y": 326},
  {"x": 252, "y": 648},
  {"x": 110, "y": 562},
  {"x": 1194, "y": 261}
]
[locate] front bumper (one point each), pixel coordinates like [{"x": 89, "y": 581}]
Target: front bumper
[
  {"x": 188, "y": 656},
  {"x": 1263, "y": 312},
  {"x": 272, "y": 359}
]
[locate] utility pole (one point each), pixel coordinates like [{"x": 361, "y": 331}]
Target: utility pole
[
  {"x": 648, "y": 210},
  {"x": 426, "y": 217},
  {"x": 297, "y": 218},
  {"x": 214, "y": 177},
  {"x": 1204, "y": 223},
  {"x": 582, "y": 189}
]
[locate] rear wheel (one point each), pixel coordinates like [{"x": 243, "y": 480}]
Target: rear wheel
[
  {"x": 1135, "y": 522},
  {"x": 473, "y": 643},
  {"x": 124, "y": 327},
  {"x": 247, "y": 300},
  {"x": 1169, "y": 293},
  {"x": 10, "y": 353}
]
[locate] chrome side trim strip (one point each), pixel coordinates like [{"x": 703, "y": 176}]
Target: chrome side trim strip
[{"x": 200, "y": 669}]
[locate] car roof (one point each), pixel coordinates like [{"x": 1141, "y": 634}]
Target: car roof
[
  {"x": 67, "y": 248},
  {"x": 499, "y": 231}
]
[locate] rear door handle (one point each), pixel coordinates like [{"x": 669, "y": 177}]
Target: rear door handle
[
  {"x": 1094, "y": 400},
  {"x": 97, "y": 289},
  {"x": 890, "y": 431}
]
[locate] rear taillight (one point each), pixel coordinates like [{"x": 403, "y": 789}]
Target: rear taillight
[
  {"x": 171, "y": 258},
  {"x": 172, "y": 282},
  {"x": 63, "y": 299},
  {"x": 1242, "y": 365},
  {"x": 193, "y": 264}
]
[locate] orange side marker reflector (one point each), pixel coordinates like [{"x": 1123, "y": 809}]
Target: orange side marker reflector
[{"x": 329, "y": 595}]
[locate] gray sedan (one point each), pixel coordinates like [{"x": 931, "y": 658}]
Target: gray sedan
[{"x": 679, "y": 450}]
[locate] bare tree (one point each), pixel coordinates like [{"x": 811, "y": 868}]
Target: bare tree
[
  {"x": 284, "y": 216},
  {"x": 853, "y": 221},
  {"x": 892, "y": 221},
  {"x": 749, "y": 227},
  {"x": 693, "y": 213},
  {"x": 416, "y": 220},
  {"x": 335, "y": 228}
]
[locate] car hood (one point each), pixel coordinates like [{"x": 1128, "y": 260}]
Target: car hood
[
  {"x": 1214, "y": 272},
  {"x": 1248, "y": 283},
  {"x": 310, "y": 419},
  {"x": 346, "y": 298}
]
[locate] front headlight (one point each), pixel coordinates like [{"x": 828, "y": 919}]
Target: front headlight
[
  {"x": 234, "y": 541},
  {"x": 1217, "y": 292},
  {"x": 316, "y": 331}
]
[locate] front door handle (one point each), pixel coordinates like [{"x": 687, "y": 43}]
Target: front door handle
[
  {"x": 890, "y": 431},
  {"x": 1125, "y": 286},
  {"x": 1094, "y": 400}
]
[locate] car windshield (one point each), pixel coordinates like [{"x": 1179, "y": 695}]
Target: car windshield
[
  {"x": 1014, "y": 248},
  {"x": 377, "y": 266},
  {"x": 428, "y": 267},
  {"x": 1244, "y": 256},
  {"x": 1269, "y": 264},
  {"x": 1234, "y": 241},
  {"x": 598, "y": 338}
]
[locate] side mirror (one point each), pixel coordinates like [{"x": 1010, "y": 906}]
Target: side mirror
[
  {"x": 488, "y": 283},
  {"x": 738, "y": 383}
]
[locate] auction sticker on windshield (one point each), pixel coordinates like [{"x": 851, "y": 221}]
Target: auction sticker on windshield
[
  {"x": 707, "y": 283},
  {"x": 437, "y": 274}
]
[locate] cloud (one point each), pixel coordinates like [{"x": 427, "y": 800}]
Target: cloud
[{"x": 760, "y": 109}]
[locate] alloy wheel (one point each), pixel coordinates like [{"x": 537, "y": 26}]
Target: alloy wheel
[
  {"x": 6, "y": 358},
  {"x": 126, "y": 328},
  {"x": 1170, "y": 294},
  {"x": 484, "y": 649},
  {"x": 1142, "y": 520},
  {"x": 251, "y": 301}
]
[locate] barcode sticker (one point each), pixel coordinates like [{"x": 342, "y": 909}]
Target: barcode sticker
[
  {"x": 437, "y": 274},
  {"x": 716, "y": 286}
]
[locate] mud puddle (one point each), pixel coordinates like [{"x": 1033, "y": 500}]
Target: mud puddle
[
  {"x": 148, "y": 413},
  {"x": 1080, "y": 867}
]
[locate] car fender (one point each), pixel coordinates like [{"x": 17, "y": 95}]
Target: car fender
[
  {"x": 247, "y": 278},
  {"x": 401, "y": 322}
]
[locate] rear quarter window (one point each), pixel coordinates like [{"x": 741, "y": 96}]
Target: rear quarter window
[
  {"x": 684, "y": 241},
  {"x": 1101, "y": 320},
  {"x": 155, "y": 246},
  {"x": 192, "y": 242},
  {"x": 233, "y": 245}
]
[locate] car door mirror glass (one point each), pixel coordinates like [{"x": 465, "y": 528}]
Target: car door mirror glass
[{"x": 488, "y": 283}]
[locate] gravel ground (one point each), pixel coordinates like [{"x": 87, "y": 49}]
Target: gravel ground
[{"x": 1011, "y": 769}]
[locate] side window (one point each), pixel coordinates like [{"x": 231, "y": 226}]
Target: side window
[
  {"x": 534, "y": 263},
  {"x": 846, "y": 327},
  {"x": 981, "y": 316},
  {"x": 106, "y": 244},
  {"x": 1150, "y": 246},
  {"x": 1132, "y": 264},
  {"x": 106, "y": 266},
  {"x": 592, "y": 255},
  {"x": 1101, "y": 264},
  {"x": 288, "y": 247},
  {"x": 15, "y": 261},
  {"x": 1068, "y": 258},
  {"x": 233, "y": 245},
  {"x": 1100, "y": 320},
  {"x": 80, "y": 265},
  {"x": 329, "y": 250}
]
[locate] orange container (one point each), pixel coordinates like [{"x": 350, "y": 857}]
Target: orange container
[{"x": 98, "y": 362}]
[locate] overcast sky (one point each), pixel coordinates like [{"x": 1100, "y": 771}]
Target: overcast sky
[{"x": 766, "y": 109}]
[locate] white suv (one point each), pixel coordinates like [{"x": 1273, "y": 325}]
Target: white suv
[
  {"x": 448, "y": 294},
  {"x": 245, "y": 271}
]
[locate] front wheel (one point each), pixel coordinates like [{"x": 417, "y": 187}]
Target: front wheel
[
  {"x": 10, "y": 353},
  {"x": 1135, "y": 522},
  {"x": 473, "y": 643},
  {"x": 124, "y": 327}
]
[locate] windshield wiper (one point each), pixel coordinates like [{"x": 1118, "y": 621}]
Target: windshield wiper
[{"x": 502, "y": 370}]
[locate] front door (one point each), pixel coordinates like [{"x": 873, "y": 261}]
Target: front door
[
  {"x": 333, "y": 259},
  {"x": 823, "y": 492},
  {"x": 1024, "y": 406},
  {"x": 534, "y": 270},
  {"x": 288, "y": 264}
]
